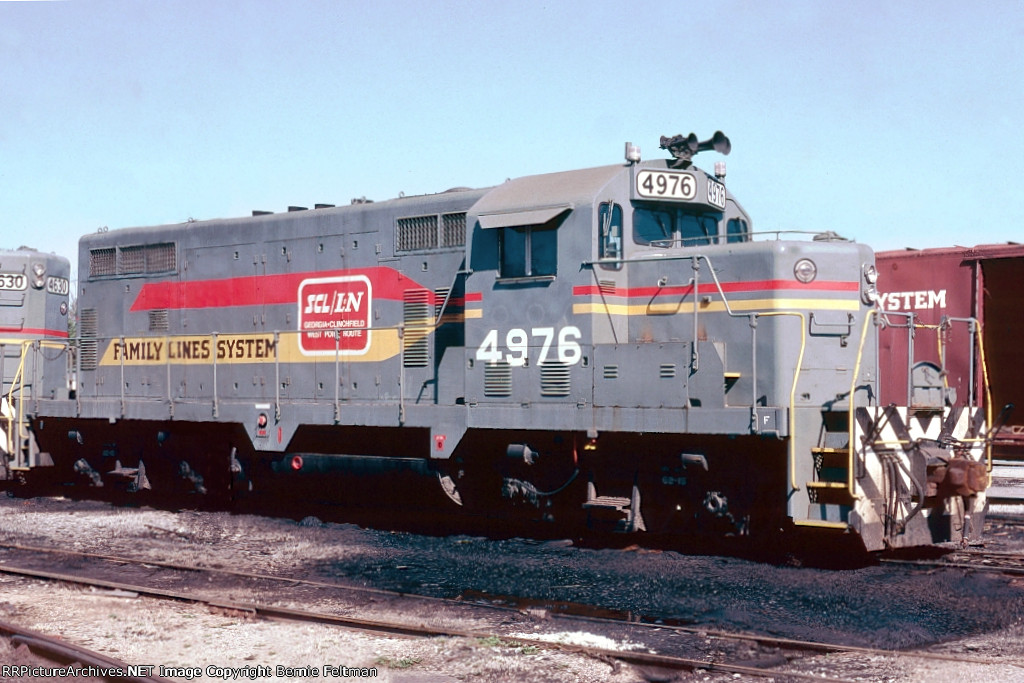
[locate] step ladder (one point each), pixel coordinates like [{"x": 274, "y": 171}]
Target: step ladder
[{"x": 830, "y": 500}]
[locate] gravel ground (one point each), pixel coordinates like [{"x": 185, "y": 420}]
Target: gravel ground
[{"x": 970, "y": 613}]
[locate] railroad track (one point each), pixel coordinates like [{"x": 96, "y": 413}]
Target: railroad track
[
  {"x": 789, "y": 651},
  {"x": 974, "y": 560},
  {"x": 57, "y": 658},
  {"x": 1006, "y": 492}
]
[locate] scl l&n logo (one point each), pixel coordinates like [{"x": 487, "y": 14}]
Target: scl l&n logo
[{"x": 334, "y": 315}]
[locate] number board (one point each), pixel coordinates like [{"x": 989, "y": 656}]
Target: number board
[
  {"x": 13, "y": 281},
  {"x": 677, "y": 185},
  {"x": 57, "y": 285},
  {"x": 716, "y": 194},
  {"x": 666, "y": 185}
]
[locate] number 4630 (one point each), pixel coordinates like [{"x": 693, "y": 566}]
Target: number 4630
[{"x": 517, "y": 342}]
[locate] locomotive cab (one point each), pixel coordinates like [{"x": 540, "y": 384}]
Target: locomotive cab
[{"x": 628, "y": 338}]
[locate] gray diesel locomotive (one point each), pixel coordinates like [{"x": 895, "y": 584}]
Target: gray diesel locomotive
[
  {"x": 608, "y": 346},
  {"x": 34, "y": 311}
]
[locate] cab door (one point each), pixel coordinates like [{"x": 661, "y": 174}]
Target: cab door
[{"x": 523, "y": 342}]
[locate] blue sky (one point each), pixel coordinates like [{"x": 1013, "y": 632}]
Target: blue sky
[{"x": 898, "y": 124}]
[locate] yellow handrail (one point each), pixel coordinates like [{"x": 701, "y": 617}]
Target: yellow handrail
[
  {"x": 17, "y": 416},
  {"x": 988, "y": 393},
  {"x": 792, "y": 393},
  {"x": 850, "y": 484},
  {"x": 10, "y": 419}
]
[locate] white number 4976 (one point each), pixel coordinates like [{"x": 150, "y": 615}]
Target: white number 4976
[{"x": 518, "y": 344}]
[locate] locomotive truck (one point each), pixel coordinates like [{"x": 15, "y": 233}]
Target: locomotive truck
[{"x": 613, "y": 347}]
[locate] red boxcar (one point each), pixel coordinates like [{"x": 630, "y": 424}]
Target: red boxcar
[{"x": 955, "y": 283}]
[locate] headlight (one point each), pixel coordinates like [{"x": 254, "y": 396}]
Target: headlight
[
  {"x": 869, "y": 292},
  {"x": 805, "y": 271},
  {"x": 38, "y": 275}
]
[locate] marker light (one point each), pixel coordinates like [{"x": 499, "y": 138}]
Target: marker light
[
  {"x": 632, "y": 153},
  {"x": 805, "y": 271}
]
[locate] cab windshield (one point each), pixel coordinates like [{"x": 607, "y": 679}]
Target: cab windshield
[{"x": 671, "y": 226}]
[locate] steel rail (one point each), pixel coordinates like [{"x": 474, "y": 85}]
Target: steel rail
[
  {"x": 241, "y": 574},
  {"x": 268, "y": 611},
  {"x": 416, "y": 630},
  {"x": 1017, "y": 570},
  {"x": 60, "y": 650}
]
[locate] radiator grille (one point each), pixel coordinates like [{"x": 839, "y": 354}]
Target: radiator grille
[
  {"x": 160, "y": 258},
  {"x": 430, "y": 232},
  {"x": 102, "y": 262},
  {"x": 416, "y": 232},
  {"x": 132, "y": 260},
  {"x": 453, "y": 229}
]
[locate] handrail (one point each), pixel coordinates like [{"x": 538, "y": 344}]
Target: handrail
[
  {"x": 988, "y": 393},
  {"x": 792, "y": 391},
  {"x": 337, "y": 376},
  {"x": 752, "y": 317},
  {"x": 850, "y": 422},
  {"x": 724, "y": 240},
  {"x": 975, "y": 330},
  {"x": 16, "y": 423},
  {"x": 753, "y": 352},
  {"x": 910, "y": 327},
  {"x": 277, "y": 376}
]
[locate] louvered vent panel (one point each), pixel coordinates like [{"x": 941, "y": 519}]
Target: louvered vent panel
[
  {"x": 607, "y": 287},
  {"x": 88, "y": 328},
  {"x": 453, "y": 229},
  {"x": 440, "y": 296},
  {"x": 667, "y": 370},
  {"x": 498, "y": 379},
  {"x": 417, "y": 314},
  {"x": 158, "y": 320},
  {"x": 416, "y": 232},
  {"x": 554, "y": 378},
  {"x": 611, "y": 372}
]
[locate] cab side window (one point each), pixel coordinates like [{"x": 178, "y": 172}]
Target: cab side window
[
  {"x": 528, "y": 250},
  {"x": 737, "y": 230},
  {"x": 609, "y": 224},
  {"x": 697, "y": 229}
]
